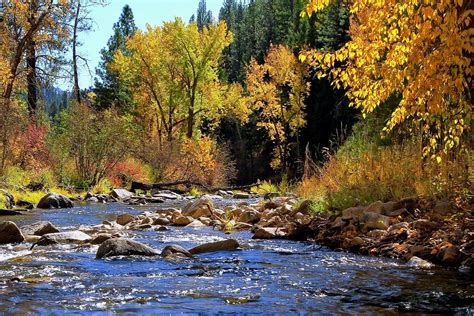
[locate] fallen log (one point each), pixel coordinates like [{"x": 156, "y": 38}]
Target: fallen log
[{"x": 188, "y": 183}]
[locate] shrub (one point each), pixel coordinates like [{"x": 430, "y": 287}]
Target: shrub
[
  {"x": 94, "y": 141},
  {"x": 201, "y": 160},
  {"x": 126, "y": 171},
  {"x": 363, "y": 170}
]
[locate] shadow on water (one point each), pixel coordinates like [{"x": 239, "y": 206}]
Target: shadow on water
[{"x": 262, "y": 277}]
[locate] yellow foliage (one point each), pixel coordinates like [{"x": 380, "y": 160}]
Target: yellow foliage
[
  {"x": 277, "y": 91},
  {"x": 173, "y": 74},
  {"x": 419, "y": 51}
]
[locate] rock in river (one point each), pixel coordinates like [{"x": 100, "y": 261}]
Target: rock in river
[
  {"x": 198, "y": 208},
  {"x": 39, "y": 228},
  {"x": 7, "y": 198},
  {"x": 175, "y": 251},
  {"x": 70, "y": 237},
  {"x": 223, "y": 245},
  {"x": 53, "y": 200},
  {"x": 123, "y": 247},
  {"x": 121, "y": 194},
  {"x": 10, "y": 233}
]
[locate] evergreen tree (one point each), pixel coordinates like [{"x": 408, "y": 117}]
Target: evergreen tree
[
  {"x": 109, "y": 90},
  {"x": 203, "y": 16}
]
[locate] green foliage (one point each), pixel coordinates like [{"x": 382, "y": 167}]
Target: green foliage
[
  {"x": 109, "y": 89},
  {"x": 88, "y": 144}
]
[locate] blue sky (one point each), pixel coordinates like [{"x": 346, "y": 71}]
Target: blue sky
[{"x": 153, "y": 12}]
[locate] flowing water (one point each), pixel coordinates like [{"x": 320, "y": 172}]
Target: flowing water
[{"x": 272, "y": 277}]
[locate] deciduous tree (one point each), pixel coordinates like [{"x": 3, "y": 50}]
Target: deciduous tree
[
  {"x": 418, "y": 51},
  {"x": 277, "y": 91}
]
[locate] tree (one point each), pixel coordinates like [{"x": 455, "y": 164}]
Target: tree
[
  {"x": 94, "y": 141},
  {"x": 172, "y": 72},
  {"x": 420, "y": 53},
  {"x": 277, "y": 91},
  {"x": 23, "y": 26},
  {"x": 203, "y": 16},
  {"x": 81, "y": 22},
  {"x": 110, "y": 91},
  {"x": 197, "y": 57}
]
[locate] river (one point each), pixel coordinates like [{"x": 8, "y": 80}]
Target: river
[{"x": 272, "y": 277}]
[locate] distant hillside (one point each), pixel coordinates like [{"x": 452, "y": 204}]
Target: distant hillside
[{"x": 54, "y": 100}]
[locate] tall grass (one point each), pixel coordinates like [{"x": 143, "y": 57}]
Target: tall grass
[{"x": 363, "y": 170}]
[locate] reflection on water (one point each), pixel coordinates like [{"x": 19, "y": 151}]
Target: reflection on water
[{"x": 263, "y": 276}]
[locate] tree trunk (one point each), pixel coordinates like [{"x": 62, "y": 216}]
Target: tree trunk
[
  {"x": 189, "y": 133},
  {"x": 77, "y": 91},
  {"x": 31, "y": 78}
]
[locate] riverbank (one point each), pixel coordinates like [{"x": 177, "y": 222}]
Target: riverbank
[{"x": 416, "y": 231}]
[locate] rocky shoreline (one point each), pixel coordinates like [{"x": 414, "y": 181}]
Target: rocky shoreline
[{"x": 422, "y": 233}]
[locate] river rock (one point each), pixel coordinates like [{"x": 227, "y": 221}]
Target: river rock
[
  {"x": 376, "y": 207},
  {"x": 241, "y": 195},
  {"x": 196, "y": 224},
  {"x": 167, "y": 195},
  {"x": 443, "y": 208},
  {"x": 25, "y": 204},
  {"x": 121, "y": 194},
  {"x": 32, "y": 238},
  {"x": 124, "y": 219},
  {"x": 352, "y": 243},
  {"x": 39, "y": 228},
  {"x": 419, "y": 263},
  {"x": 9, "y": 212},
  {"x": 352, "y": 213},
  {"x": 223, "y": 245},
  {"x": 449, "y": 254},
  {"x": 374, "y": 221},
  {"x": 161, "y": 221},
  {"x": 100, "y": 238},
  {"x": 123, "y": 247},
  {"x": 175, "y": 251},
  {"x": 10, "y": 233},
  {"x": 249, "y": 216},
  {"x": 54, "y": 200},
  {"x": 198, "y": 208},
  {"x": 183, "y": 220},
  {"x": 304, "y": 207},
  {"x": 8, "y": 198},
  {"x": 424, "y": 225},
  {"x": 69, "y": 237},
  {"x": 268, "y": 233}
]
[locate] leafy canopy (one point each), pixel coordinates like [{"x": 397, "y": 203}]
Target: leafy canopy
[{"x": 419, "y": 51}]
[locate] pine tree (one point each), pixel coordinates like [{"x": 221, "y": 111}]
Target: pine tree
[
  {"x": 203, "y": 16},
  {"x": 109, "y": 90}
]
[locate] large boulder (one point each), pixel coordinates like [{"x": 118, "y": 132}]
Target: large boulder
[
  {"x": 123, "y": 247},
  {"x": 198, "y": 208},
  {"x": 39, "y": 228},
  {"x": 175, "y": 251},
  {"x": 372, "y": 221},
  {"x": 7, "y": 198},
  {"x": 10, "y": 233},
  {"x": 223, "y": 245},
  {"x": 121, "y": 194},
  {"x": 69, "y": 237},
  {"x": 54, "y": 200}
]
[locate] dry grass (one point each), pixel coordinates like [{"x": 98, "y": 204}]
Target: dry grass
[{"x": 361, "y": 172}]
